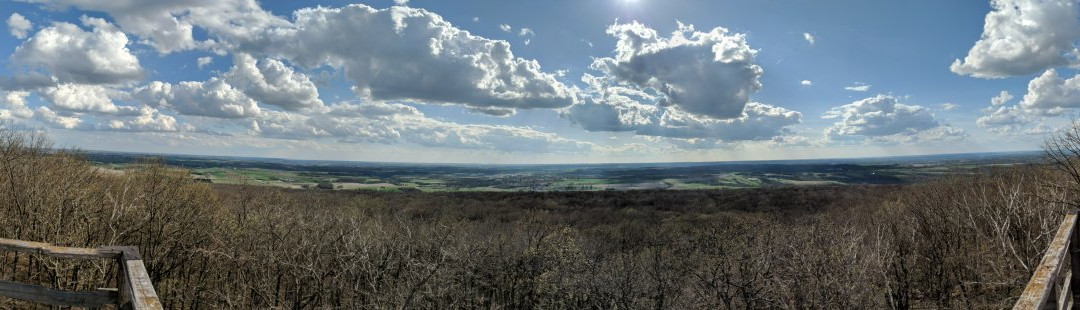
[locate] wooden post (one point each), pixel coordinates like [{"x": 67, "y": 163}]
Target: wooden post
[
  {"x": 1074, "y": 260},
  {"x": 136, "y": 290}
]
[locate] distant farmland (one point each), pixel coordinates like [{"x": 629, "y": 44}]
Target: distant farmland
[{"x": 575, "y": 177}]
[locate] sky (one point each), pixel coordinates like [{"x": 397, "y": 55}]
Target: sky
[{"x": 556, "y": 81}]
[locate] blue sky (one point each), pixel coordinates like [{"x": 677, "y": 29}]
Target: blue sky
[{"x": 541, "y": 81}]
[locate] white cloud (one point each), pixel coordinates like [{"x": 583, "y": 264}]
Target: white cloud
[
  {"x": 806, "y": 83},
  {"x": 149, "y": 119},
  {"x": 1047, "y": 95},
  {"x": 401, "y": 2},
  {"x": 85, "y": 98},
  {"x": 1050, "y": 94},
  {"x": 710, "y": 73},
  {"x": 272, "y": 82},
  {"x": 75, "y": 55},
  {"x": 884, "y": 118},
  {"x": 506, "y": 28},
  {"x": 615, "y": 108},
  {"x": 1001, "y": 99},
  {"x": 858, "y": 86},
  {"x": 169, "y": 25},
  {"x": 204, "y": 61},
  {"x": 403, "y": 53},
  {"x": 14, "y": 105},
  {"x": 213, "y": 98},
  {"x": 1022, "y": 37},
  {"x": 47, "y": 116},
  {"x": 759, "y": 122},
  {"x": 19, "y": 26},
  {"x": 1005, "y": 120},
  {"x": 808, "y": 37},
  {"x": 527, "y": 34},
  {"x": 949, "y": 106}
]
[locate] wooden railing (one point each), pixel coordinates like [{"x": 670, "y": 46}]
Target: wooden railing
[
  {"x": 135, "y": 291},
  {"x": 1058, "y": 274}
]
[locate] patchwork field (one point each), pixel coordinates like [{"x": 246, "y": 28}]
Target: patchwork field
[{"x": 394, "y": 177}]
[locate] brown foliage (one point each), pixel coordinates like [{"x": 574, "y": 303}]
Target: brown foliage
[{"x": 963, "y": 241}]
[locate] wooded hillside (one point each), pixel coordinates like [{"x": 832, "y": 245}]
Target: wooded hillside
[{"x": 962, "y": 241}]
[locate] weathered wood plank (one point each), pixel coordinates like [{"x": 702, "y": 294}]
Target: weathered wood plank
[
  {"x": 136, "y": 289},
  {"x": 1037, "y": 292},
  {"x": 44, "y": 295},
  {"x": 56, "y": 251},
  {"x": 1074, "y": 258}
]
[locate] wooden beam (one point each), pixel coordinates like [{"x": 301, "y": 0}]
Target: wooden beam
[
  {"x": 1074, "y": 258},
  {"x": 44, "y": 295},
  {"x": 1037, "y": 292},
  {"x": 57, "y": 251},
  {"x": 136, "y": 290}
]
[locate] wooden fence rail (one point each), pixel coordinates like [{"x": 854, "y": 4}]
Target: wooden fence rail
[
  {"x": 135, "y": 291},
  {"x": 1058, "y": 274}
]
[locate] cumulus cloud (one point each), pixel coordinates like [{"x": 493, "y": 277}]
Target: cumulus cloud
[
  {"x": 19, "y": 26},
  {"x": 949, "y": 106},
  {"x": 858, "y": 86},
  {"x": 47, "y": 116},
  {"x": 1050, "y": 94},
  {"x": 213, "y": 98},
  {"x": 806, "y": 83},
  {"x": 13, "y": 105},
  {"x": 85, "y": 98},
  {"x": 1005, "y": 120},
  {"x": 1022, "y": 37},
  {"x": 272, "y": 82},
  {"x": 169, "y": 25},
  {"x": 1001, "y": 99},
  {"x": 615, "y": 108},
  {"x": 711, "y": 73},
  {"x": 759, "y": 121},
  {"x": 506, "y": 28},
  {"x": 147, "y": 120},
  {"x": 1047, "y": 95},
  {"x": 74, "y": 55},
  {"x": 884, "y": 118},
  {"x": 808, "y": 37},
  {"x": 204, "y": 61},
  {"x": 691, "y": 88},
  {"x": 403, "y": 53}
]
